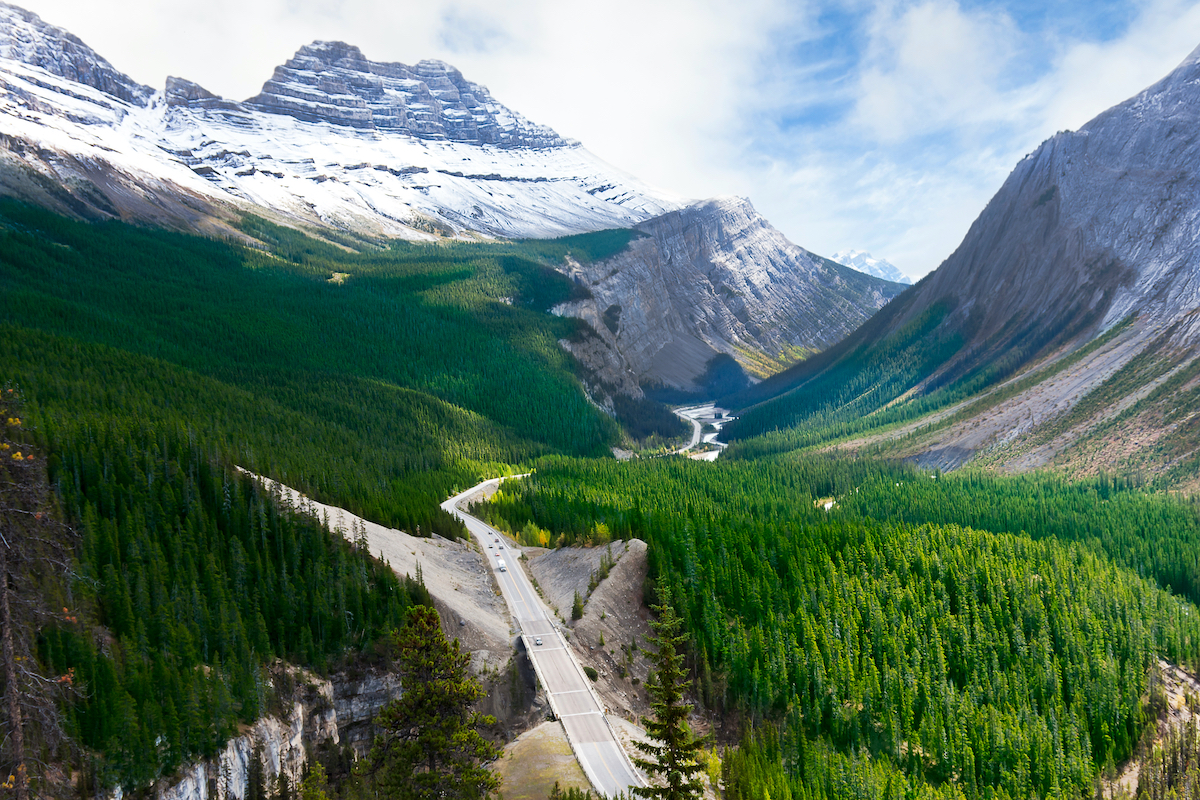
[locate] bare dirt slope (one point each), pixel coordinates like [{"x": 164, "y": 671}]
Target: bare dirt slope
[
  {"x": 614, "y": 612},
  {"x": 1177, "y": 686},
  {"x": 563, "y": 572}
]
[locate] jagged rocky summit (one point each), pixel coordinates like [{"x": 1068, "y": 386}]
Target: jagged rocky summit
[
  {"x": 26, "y": 39},
  {"x": 333, "y": 140},
  {"x": 334, "y": 82}
]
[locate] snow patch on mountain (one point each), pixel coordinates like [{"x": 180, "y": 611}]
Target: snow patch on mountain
[{"x": 865, "y": 262}]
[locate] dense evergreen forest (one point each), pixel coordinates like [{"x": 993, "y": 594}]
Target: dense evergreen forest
[
  {"x": 151, "y": 363},
  {"x": 858, "y": 386},
  {"x": 893, "y": 645},
  {"x": 186, "y": 563},
  {"x": 377, "y": 380},
  {"x": 883, "y": 631}
]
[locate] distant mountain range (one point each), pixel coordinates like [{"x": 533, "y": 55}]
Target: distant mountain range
[
  {"x": 864, "y": 262},
  {"x": 1073, "y": 303},
  {"x": 358, "y": 151}
]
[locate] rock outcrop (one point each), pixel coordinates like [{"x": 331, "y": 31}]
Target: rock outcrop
[
  {"x": 714, "y": 277},
  {"x": 334, "y": 82},
  {"x": 278, "y": 742}
]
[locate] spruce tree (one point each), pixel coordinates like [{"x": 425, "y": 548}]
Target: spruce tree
[
  {"x": 673, "y": 754},
  {"x": 429, "y": 745}
]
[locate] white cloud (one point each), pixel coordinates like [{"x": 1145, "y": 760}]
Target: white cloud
[
  {"x": 942, "y": 105},
  {"x": 931, "y": 66},
  {"x": 1090, "y": 77}
]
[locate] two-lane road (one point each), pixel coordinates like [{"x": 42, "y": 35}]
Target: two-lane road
[{"x": 570, "y": 692}]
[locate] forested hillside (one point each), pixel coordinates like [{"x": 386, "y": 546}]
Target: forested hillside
[
  {"x": 895, "y": 646},
  {"x": 151, "y": 364},
  {"x": 187, "y": 581},
  {"x": 377, "y": 380}
]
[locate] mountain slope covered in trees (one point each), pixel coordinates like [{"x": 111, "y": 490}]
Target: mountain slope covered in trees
[{"x": 378, "y": 381}]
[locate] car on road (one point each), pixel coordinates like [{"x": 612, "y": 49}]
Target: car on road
[
  {"x": 489, "y": 547},
  {"x": 538, "y": 640}
]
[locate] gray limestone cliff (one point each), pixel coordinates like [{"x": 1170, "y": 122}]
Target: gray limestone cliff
[
  {"x": 711, "y": 278},
  {"x": 1096, "y": 225},
  {"x": 334, "y": 82},
  {"x": 337, "y": 711},
  {"x": 317, "y": 711}
]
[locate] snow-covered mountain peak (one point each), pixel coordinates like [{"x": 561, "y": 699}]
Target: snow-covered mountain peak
[
  {"x": 865, "y": 262},
  {"x": 334, "y": 82},
  {"x": 27, "y": 39},
  {"x": 334, "y": 140}
]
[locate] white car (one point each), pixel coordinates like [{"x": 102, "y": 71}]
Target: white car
[{"x": 538, "y": 640}]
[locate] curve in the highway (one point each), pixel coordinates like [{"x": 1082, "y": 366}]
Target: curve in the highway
[{"x": 571, "y": 695}]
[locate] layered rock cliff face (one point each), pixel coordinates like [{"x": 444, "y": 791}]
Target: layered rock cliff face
[
  {"x": 318, "y": 711},
  {"x": 341, "y": 712},
  {"x": 334, "y": 82},
  {"x": 713, "y": 278}
]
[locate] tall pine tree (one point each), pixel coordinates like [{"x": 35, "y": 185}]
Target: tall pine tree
[
  {"x": 430, "y": 746},
  {"x": 674, "y": 751}
]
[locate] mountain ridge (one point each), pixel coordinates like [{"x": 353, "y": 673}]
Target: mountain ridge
[
  {"x": 1092, "y": 231},
  {"x": 865, "y": 262},
  {"x": 360, "y": 152},
  {"x": 714, "y": 278}
]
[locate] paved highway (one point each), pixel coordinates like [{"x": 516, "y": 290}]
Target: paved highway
[{"x": 570, "y": 692}]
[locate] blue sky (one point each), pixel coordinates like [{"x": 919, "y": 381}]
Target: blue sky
[{"x": 879, "y": 125}]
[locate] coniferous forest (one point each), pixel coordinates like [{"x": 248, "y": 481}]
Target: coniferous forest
[
  {"x": 903, "y": 651},
  {"x": 879, "y": 631},
  {"x": 152, "y": 365}
]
